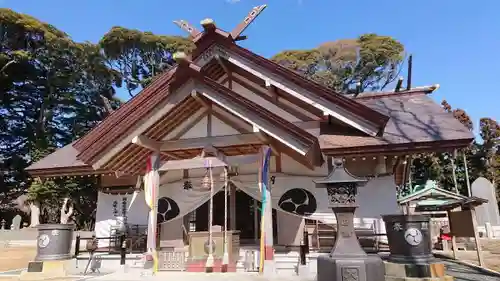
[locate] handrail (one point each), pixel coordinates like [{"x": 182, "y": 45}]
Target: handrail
[{"x": 185, "y": 233}]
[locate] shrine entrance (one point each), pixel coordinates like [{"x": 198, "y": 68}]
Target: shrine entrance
[{"x": 247, "y": 211}]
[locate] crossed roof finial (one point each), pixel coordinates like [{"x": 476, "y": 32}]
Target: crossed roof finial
[{"x": 235, "y": 34}]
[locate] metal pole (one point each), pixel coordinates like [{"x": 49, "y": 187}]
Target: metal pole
[
  {"x": 225, "y": 258},
  {"x": 123, "y": 245},
  {"x": 453, "y": 167},
  {"x": 467, "y": 175},
  {"x": 77, "y": 246}
]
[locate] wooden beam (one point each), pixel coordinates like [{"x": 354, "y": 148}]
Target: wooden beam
[
  {"x": 218, "y": 141},
  {"x": 267, "y": 140},
  {"x": 209, "y": 149},
  {"x": 199, "y": 98},
  {"x": 152, "y": 145},
  {"x": 222, "y": 64},
  {"x": 169, "y": 155},
  {"x": 272, "y": 91},
  {"x": 146, "y": 142},
  {"x": 186, "y": 26},
  {"x": 199, "y": 162},
  {"x": 277, "y": 159},
  {"x": 292, "y": 153},
  {"x": 257, "y": 122},
  {"x": 247, "y": 21},
  {"x": 257, "y": 85},
  {"x": 226, "y": 70},
  {"x": 241, "y": 38},
  {"x": 269, "y": 97},
  {"x": 209, "y": 125}
]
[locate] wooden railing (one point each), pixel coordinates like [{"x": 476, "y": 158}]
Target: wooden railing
[{"x": 322, "y": 237}]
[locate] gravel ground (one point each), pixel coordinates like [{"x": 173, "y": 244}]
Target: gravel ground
[{"x": 15, "y": 258}]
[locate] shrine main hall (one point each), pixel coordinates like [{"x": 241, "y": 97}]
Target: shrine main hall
[{"x": 193, "y": 155}]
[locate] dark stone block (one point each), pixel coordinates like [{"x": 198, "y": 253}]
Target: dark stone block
[
  {"x": 35, "y": 266},
  {"x": 350, "y": 268}
]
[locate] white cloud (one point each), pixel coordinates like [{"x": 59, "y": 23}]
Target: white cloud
[{"x": 232, "y": 1}]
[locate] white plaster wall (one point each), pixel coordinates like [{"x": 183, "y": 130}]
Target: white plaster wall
[
  {"x": 290, "y": 166},
  {"x": 219, "y": 128},
  {"x": 197, "y": 131}
]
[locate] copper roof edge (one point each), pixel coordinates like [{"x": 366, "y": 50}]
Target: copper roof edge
[
  {"x": 399, "y": 148},
  {"x": 382, "y": 94}
]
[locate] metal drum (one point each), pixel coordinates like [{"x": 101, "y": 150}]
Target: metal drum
[
  {"x": 409, "y": 238},
  {"x": 54, "y": 242}
]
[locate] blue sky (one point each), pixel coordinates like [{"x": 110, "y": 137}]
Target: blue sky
[{"x": 454, "y": 43}]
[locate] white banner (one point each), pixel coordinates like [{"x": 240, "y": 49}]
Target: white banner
[
  {"x": 179, "y": 198},
  {"x": 113, "y": 210},
  {"x": 299, "y": 196}
]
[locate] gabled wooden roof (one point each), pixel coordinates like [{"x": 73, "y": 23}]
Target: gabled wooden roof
[
  {"x": 131, "y": 159},
  {"x": 122, "y": 120}
]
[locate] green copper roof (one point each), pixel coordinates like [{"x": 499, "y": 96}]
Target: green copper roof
[{"x": 429, "y": 194}]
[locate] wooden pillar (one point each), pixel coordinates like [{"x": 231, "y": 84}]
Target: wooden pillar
[
  {"x": 256, "y": 220},
  {"x": 232, "y": 207},
  {"x": 151, "y": 186},
  {"x": 476, "y": 237},
  {"x": 453, "y": 238}
]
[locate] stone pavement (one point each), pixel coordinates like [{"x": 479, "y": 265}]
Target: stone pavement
[
  {"x": 189, "y": 276},
  {"x": 460, "y": 272}
]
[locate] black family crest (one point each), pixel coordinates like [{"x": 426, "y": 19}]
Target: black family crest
[
  {"x": 167, "y": 209},
  {"x": 298, "y": 201}
]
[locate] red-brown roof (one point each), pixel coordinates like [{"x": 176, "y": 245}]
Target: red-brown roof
[
  {"x": 120, "y": 121},
  {"x": 417, "y": 123}
]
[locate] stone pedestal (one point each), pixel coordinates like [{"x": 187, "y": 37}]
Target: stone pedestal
[
  {"x": 416, "y": 272},
  {"x": 45, "y": 270},
  {"x": 347, "y": 260}
]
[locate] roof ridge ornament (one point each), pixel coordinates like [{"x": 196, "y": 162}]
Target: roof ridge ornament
[
  {"x": 247, "y": 21},
  {"x": 186, "y": 26},
  {"x": 209, "y": 24}
]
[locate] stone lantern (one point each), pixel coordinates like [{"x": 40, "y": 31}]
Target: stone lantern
[{"x": 347, "y": 261}]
